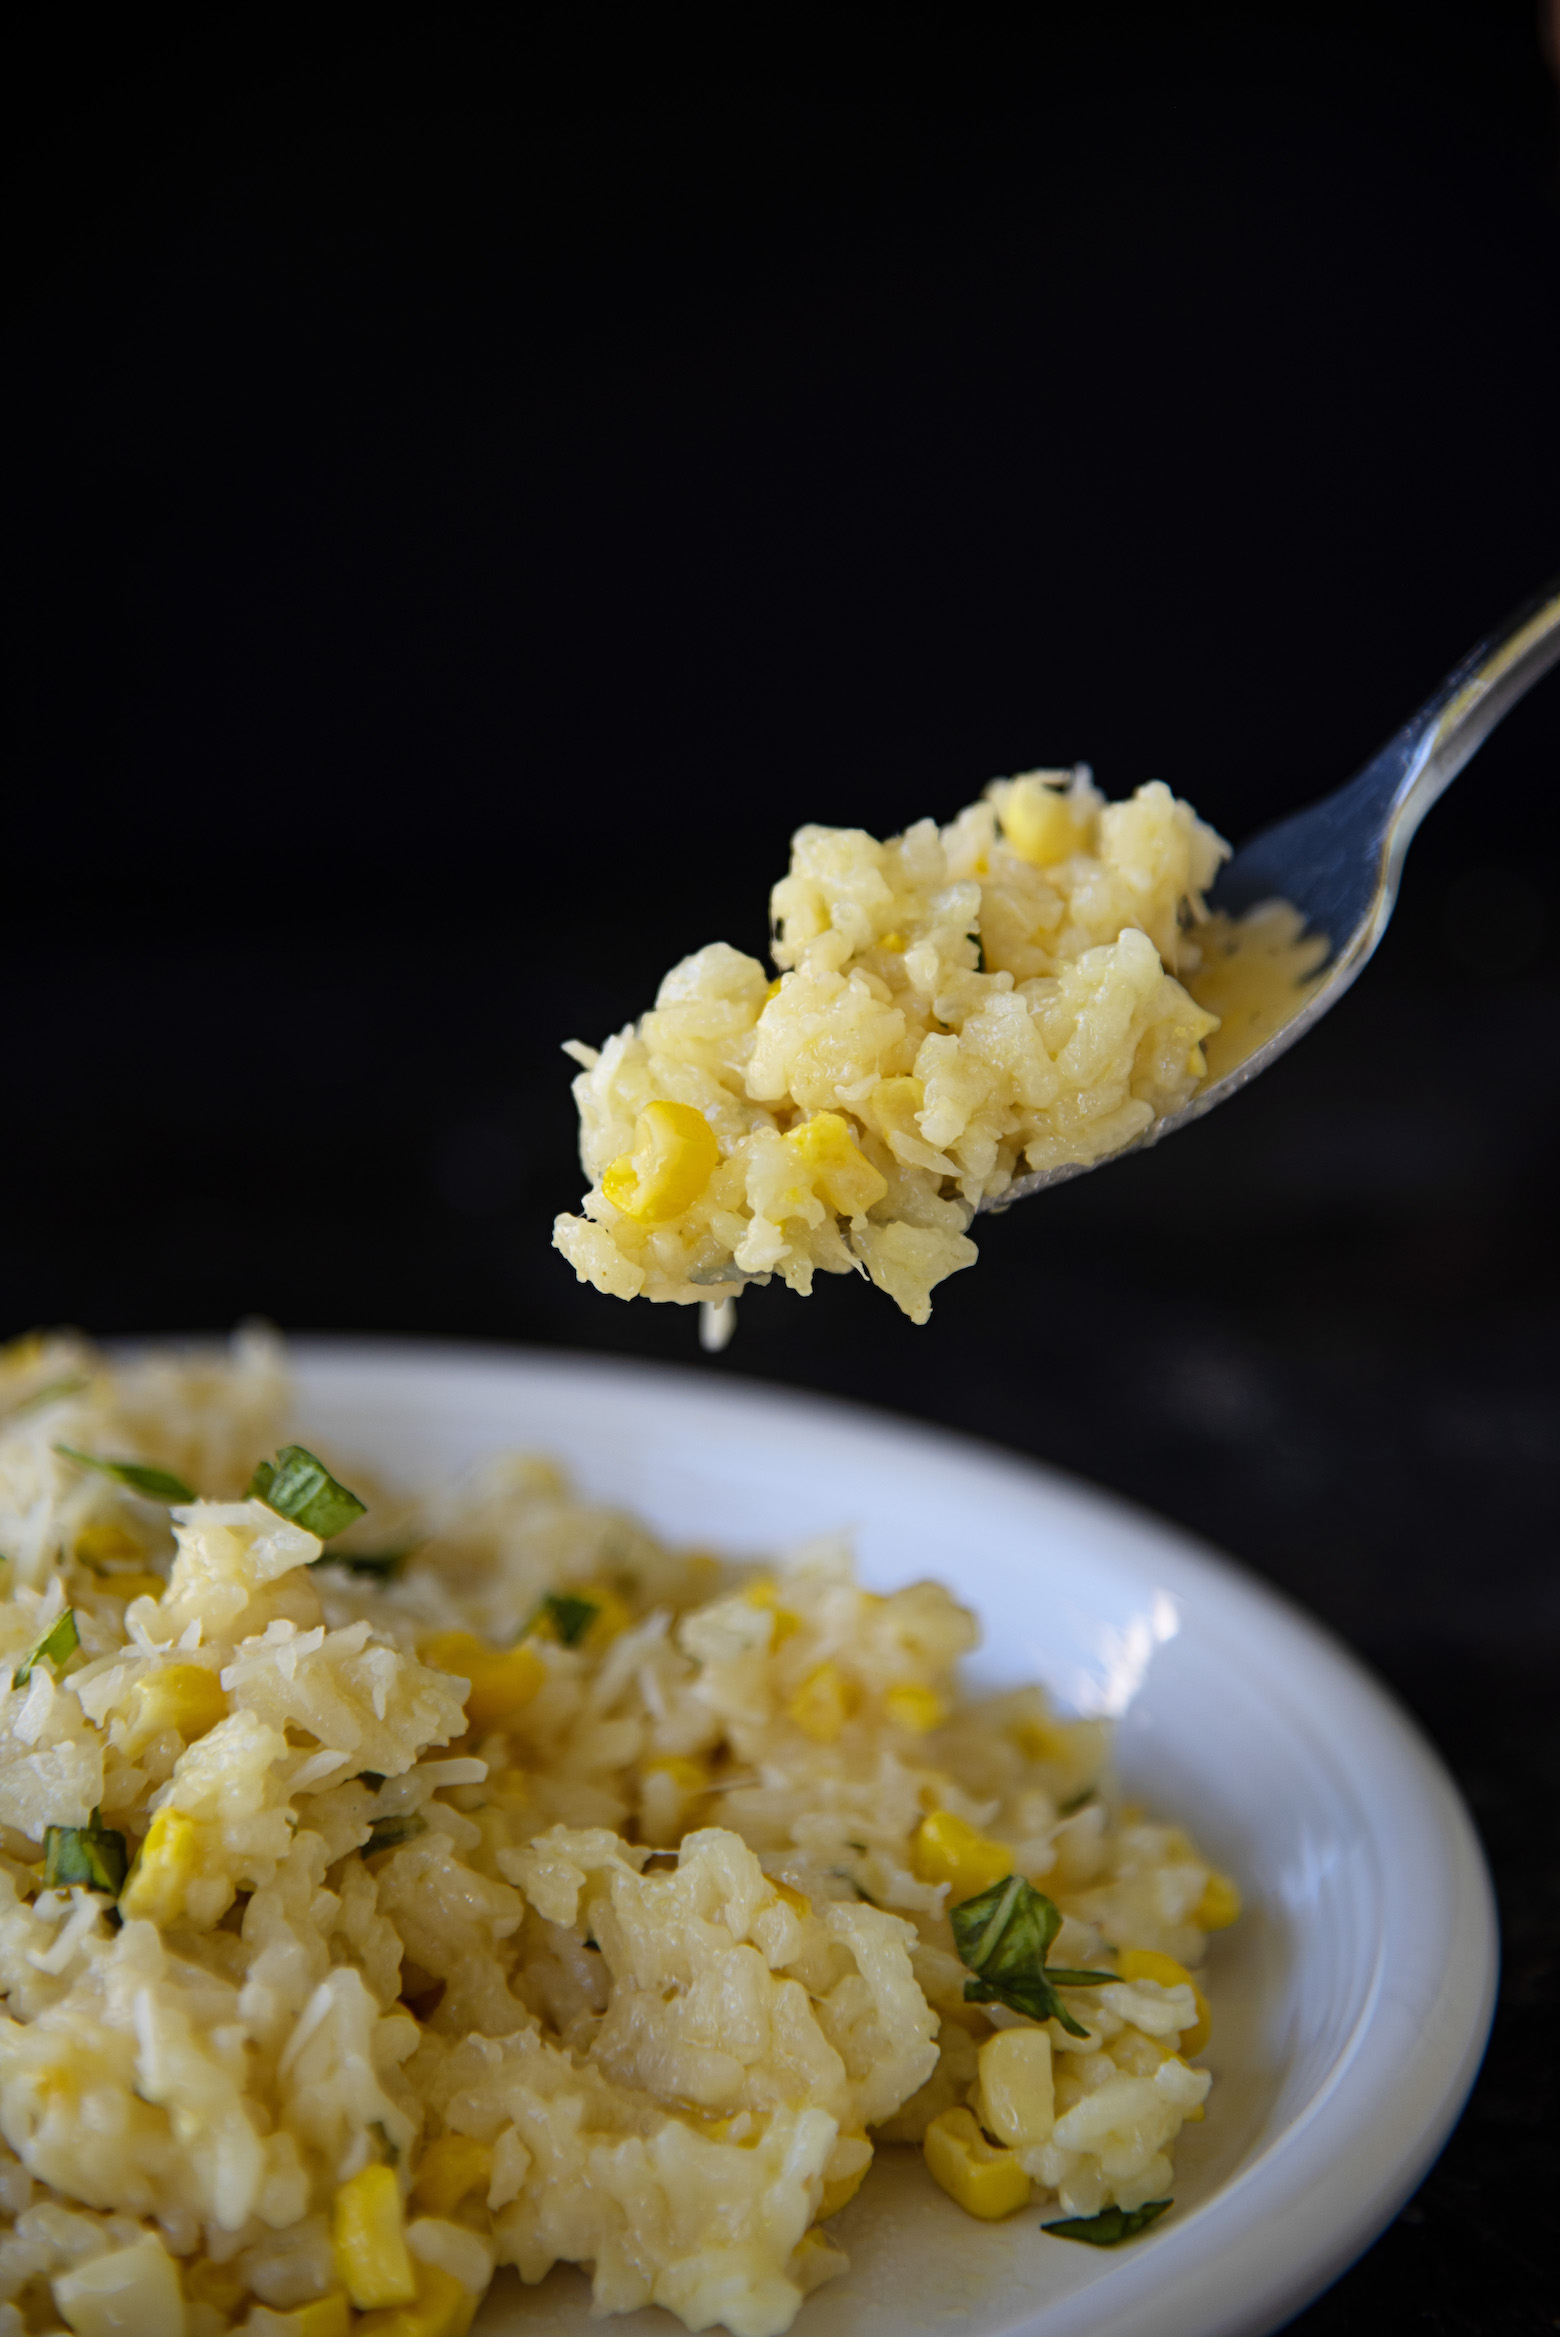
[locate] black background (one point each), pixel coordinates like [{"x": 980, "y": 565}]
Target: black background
[{"x": 475, "y": 480}]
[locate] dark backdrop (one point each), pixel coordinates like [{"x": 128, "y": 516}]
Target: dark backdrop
[{"x": 471, "y": 489}]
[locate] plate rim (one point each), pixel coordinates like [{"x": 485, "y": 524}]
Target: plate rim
[{"x": 1240, "y": 2263}]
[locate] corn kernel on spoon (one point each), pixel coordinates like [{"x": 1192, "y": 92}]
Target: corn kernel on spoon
[{"x": 1338, "y": 863}]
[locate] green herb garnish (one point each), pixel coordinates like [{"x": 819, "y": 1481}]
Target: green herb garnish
[
  {"x": 154, "y": 1484},
  {"x": 386, "y": 1564},
  {"x": 89, "y": 1854},
  {"x": 390, "y": 1833},
  {"x": 1111, "y": 2226},
  {"x": 300, "y": 1487},
  {"x": 566, "y": 1617},
  {"x": 1003, "y": 1935},
  {"x": 60, "y": 1640},
  {"x": 1077, "y": 1801}
]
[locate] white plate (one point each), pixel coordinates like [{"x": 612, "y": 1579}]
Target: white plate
[{"x": 1353, "y": 1999}]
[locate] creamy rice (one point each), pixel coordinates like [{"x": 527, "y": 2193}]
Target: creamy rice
[
  {"x": 954, "y": 1007},
  {"x": 505, "y": 1888}
]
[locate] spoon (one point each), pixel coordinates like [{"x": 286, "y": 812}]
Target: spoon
[{"x": 1338, "y": 861}]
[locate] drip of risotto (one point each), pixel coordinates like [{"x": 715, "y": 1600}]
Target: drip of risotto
[
  {"x": 396, "y": 1888},
  {"x": 1015, "y": 991}
]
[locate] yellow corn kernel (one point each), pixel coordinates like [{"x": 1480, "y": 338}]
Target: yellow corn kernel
[
  {"x": 1219, "y": 1905},
  {"x": 795, "y": 1899},
  {"x": 1037, "y": 821},
  {"x": 944, "y": 1849},
  {"x": 455, "y": 1651},
  {"x": 322, "y": 2316},
  {"x": 1149, "y": 1964},
  {"x": 221, "y": 2285},
  {"x": 503, "y": 1682},
  {"x": 1017, "y": 2100},
  {"x": 107, "y": 1545},
  {"x": 916, "y": 1708},
  {"x": 1041, "y": 1740},
  {"x": 166, "y": 1864},
  {"x": 985, "y": 2179},
  {"x": 134, "y": 1586},
  {"x": 612, "y": 1617},
  {"x": 368, "y": 2241},
  {"x": 836, "y": 1164},
  {"x": 1194, "y": 2039},
  {"x": 674, "y": 1157},
  {"x": 443, "y": 2307},
  {"x": 842, "y": 2190},
  {"x": 894, "y": 943},
  {"x": 450, "y": 2169},
  {"x": 184, "y": 1696},
  {"x": 766, "y": 1594},
  {"x": 823, "y": 1703},
  {"x": 773, "y": 991}
]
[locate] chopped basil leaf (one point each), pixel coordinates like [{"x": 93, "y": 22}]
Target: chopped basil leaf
[
  {"x": 565, "y": 1617},
  {"x": 300, "y": 1487},
  {"x": 90, "y": 1855},
  {"x": 1003, "y": 1936},
  {"x": 390, "y": 1833},
  {"x": 154, "y": 1484},
  {"x": 1111, "y": 2226},
  {"x": 60, "y": 1640},
  {"x": 386, "y": 1564}
]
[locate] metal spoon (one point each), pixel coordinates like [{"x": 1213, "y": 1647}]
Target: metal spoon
[{"x": 1339, "y": 860}]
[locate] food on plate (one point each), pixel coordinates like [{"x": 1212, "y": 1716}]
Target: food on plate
[
  {"x": 1016, "y": 991},
  {"x": 398, "y": 1886}
]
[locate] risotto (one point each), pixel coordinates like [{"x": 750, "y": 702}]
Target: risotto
[
  {"x": 953, "y": 1007},
  {"x": 397, "y": 1888}
]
